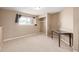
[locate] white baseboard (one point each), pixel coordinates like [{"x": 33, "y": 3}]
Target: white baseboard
[
  {"x": 20, "y": 37},
  {"x": 75, "y": 50}
]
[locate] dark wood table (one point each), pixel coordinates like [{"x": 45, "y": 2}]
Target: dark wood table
[{"x": 59, "y": 33}]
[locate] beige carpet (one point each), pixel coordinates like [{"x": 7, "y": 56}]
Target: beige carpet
[{"x": 36, "y": 43}]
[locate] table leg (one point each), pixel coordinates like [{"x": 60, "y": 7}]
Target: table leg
[
  {"x": 70, "y": 40},
  {"x": 59, "y": 39},
  {"x": 52, "y": 34}
]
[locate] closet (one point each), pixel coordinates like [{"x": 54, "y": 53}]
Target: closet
[{"x": 43, "y": 25}]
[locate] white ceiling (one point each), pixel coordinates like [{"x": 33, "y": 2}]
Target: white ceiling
[{"x": 33, "y": 11}]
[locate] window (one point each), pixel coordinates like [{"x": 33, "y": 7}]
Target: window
[{"x": 25, "y": 20}]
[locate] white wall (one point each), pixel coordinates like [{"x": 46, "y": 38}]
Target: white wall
[
  {"x": 61, "y": 21},
  {"x": 66, "y": 19},
  {"x": 11, "y": 29}
]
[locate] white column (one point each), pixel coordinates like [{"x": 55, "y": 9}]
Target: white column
[
  {"x": 76, "y": 30},
  {"x": 0, "y": 38}
]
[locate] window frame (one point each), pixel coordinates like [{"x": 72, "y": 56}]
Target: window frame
[{"x": 31, "y": 19}]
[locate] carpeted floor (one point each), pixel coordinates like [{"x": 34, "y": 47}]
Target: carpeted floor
[{"x": 35, "y": 43}]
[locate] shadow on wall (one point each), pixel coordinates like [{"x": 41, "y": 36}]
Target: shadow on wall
[{"x": 53, "y": 22}]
